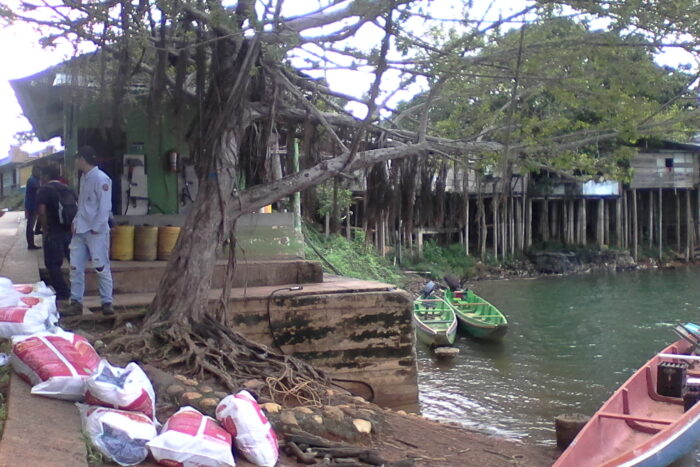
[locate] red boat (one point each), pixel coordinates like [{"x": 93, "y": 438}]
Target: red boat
[{"x": 638, "y": 426}]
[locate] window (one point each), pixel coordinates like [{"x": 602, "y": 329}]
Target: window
[{"x": 669, "y": 164}]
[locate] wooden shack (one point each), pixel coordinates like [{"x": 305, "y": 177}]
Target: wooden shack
[{"x": 664, "y": 185}]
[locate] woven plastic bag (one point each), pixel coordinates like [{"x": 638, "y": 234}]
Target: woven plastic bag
[
  {"x": 191, "y": 439},
  {"x": 118, "y": 434},
  {"x": 253, "y": 435},
  {"x": 56, "y": 363},
  {"x": 121, "y": 388}
]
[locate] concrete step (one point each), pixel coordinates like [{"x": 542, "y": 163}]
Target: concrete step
[
  {"x": 144, "y": 276},
  {"x": 332, "y": 285}
]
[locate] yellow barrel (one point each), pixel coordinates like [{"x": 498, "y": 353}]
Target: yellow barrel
[
  {"x": 167, "y": 236},
  {"x": 145, "y": 243},
  {"x": 122, "y": 243}
]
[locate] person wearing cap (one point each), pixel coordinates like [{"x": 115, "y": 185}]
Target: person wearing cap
[{"x": 90, "y": 242}]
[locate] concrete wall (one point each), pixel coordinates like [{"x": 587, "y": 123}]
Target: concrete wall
[{"x": 354, "y": 334}]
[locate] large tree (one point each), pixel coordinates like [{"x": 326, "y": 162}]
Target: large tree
[{"x": 249, "y": 69}]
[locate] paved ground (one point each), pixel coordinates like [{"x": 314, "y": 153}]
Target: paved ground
[{"x": 38, "y": 431}]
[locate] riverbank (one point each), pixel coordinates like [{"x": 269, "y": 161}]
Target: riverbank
[{"x": 348, "y": 426}]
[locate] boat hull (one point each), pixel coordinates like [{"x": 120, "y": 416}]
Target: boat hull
[
  {"x": 435, "y": 339},
  {"x": 637, "y": 426},
  {"x": 469, "y": 309},
  {"x": 481, "y": 331},
  {"x": 435, "y": 322}
]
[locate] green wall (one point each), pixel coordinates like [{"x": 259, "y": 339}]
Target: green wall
[{"x": 142, "y": 137}]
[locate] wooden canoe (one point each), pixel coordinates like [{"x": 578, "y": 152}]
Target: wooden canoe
[
  {"x": 476, "y": 316},
  {"x": 637, "y": 426},
  {"x": 435, "y": 322}
]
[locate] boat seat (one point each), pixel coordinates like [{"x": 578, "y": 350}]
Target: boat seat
[
  {"x": 440, "y": 321},
  {"x": 633, "y": 418}
]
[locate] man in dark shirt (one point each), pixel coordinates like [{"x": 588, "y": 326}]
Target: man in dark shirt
[
  {"x": 57, "y": 236},
  {"x": 30, "y": 212}
]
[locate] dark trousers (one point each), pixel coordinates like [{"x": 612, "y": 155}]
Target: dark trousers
[
  {"x": 55, "y": 250},
  {"x": 31, "y": 224}
]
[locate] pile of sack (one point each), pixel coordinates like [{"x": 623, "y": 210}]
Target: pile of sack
[{"x": 117, "y": 405}]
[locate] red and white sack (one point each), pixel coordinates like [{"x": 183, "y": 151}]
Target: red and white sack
[
  {"x": 190, "y": 439},
  {"x": 39, "y": 289},
  {"x": 253, "y": 435},
  {"x": 120, "y": 435},
  {"x": 8, "y": 295},
  {"x": 23, "y": 320},
  {"x": 122, "y": 388},
  {"x": 56, "y": 363}
]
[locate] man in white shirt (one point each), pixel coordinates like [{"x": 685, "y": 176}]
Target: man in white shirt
[{"x": 90, "y": 243}]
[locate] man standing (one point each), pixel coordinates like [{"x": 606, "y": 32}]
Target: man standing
[
  {"x": 56, "y": 208},
  {"x": 91, "y": 232},
  {"x": 30, "y": 213}
]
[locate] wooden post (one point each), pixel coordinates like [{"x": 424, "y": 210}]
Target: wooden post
[
  {"x": 466, "y": 224},
  {"x": 545, "y": 219},
  {"x": 419, "y": 241},
  {"x": 348, "y": 231},
  {"x": 619, "y": 235},
  {"x": 584, "y": 222},
  {"x": 625, "y": 221},
  {"x": 494, "y": 208},
  {"x": 572, "y": 221},
  {"x": 606, "y": 222},
  {"x": 528, "y": 223},
  {"x": 635, "y": 225},
  {"x": 554, "y": 220},
  {"x": 511, "y": 222},
  {"x": 565, "y": 221},
  {"x": 651, "y": 219},
  {"x": 518, "y": 222},
  {"x": 578, "y": 223},
  {"x": 661, "y": 223},
  {"x": 600, "y": 223},
  {"x": 688, "y": 226},
  {"x": 678, "y": 220}
]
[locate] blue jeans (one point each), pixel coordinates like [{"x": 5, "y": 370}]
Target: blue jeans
[
  {"x": 88, "y": 248},
  {"x": 55, "y": 250}
]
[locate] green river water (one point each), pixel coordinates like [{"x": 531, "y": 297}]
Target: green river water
[{"x": 571, "y": 342}]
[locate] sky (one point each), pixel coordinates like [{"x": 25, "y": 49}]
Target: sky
[{"x": 21, "y": 56}]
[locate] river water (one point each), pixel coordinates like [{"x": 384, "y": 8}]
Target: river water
[{"x": 571, "y": 342}]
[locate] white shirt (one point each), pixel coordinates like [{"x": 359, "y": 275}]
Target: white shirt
[{"x": 94, "y": 202}]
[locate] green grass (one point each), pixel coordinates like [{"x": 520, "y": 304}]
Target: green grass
[
  {"x": 94, "y": 456},
  {"x": 13, "y": 202},
  {"x": 439, "y": 261},
  {"x": 351, "y": 258}
]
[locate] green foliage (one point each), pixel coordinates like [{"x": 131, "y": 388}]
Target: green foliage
[
  {"x": 324, "y": 192},
  {"x": 352, "y": 258},
  {"x": 94, "y": 456},
  {"x": 574, "y": 84},
  {"x": 440, "y": 261}
]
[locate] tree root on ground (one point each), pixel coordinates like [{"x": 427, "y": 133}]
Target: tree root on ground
[{"x": 208, "y": 348}]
